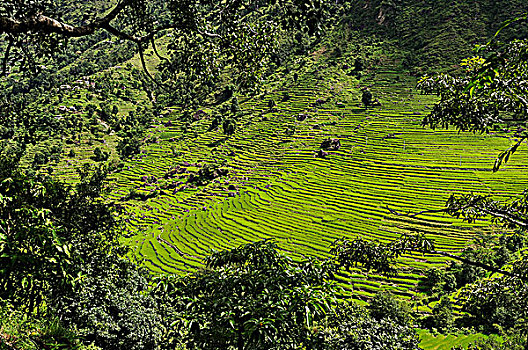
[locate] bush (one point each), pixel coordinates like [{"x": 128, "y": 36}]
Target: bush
[
  {"x": 442, "y": 317},
  {"x": 40, "y": 158},
  {"x": 128, "y": 146},
  {"x": 229, "y": 126},
  {"x": 385, "y": 305},
  {"x": 19, "y": 330},
  {"x": 100, "y": 155},
  {"x": 353, "y": 328}
]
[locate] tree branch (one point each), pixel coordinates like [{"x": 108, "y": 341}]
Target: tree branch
[
  {"x": 144, "y": 65},
  {"x": 507, "y": 216},
  {"x": 6, "y": 56},
  {"x": 522, "y": 99},
  {"x": 155, "y": 48},
  {"x": 44, "y": 24},
  {"x": 121, "y": 34},
  {"x": 40, "y": 23},
  {"x": 479, "y": 264}
]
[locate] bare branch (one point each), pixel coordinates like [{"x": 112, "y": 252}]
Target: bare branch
[{"x": 155, "y": 48}]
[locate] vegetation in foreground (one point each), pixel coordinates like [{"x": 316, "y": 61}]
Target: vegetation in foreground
[{"x": 68, "y": 282}]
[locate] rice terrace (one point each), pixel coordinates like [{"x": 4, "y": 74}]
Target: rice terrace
[
  {"x": 278, "y": 188},
  {"x": 253, "y": 175}
]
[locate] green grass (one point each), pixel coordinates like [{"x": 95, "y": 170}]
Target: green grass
[{"x": 445, "y": 342}]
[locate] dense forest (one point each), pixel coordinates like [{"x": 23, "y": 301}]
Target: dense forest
[{"x": 287, "y": 174}]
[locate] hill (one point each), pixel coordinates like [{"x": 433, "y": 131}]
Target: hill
[
  {"x": 436, "y": 34},
  {"x": 299, "y": 159}
]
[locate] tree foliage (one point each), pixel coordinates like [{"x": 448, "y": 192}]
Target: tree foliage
[
  {"x": 253, "y": 297},
  {"x": 47, "y": 231},
  {"x": 207, "y": 36},
  {"x": 492, "y": 93}
]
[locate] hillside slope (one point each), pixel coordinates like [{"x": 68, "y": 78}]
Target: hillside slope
[{"x": 437, "y": 34}]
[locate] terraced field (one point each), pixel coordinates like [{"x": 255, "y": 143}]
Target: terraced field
[
  {"x": 446, "y": 342},
  {"x": 277, "y": 188}
]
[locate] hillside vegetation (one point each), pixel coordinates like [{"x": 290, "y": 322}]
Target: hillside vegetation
[
  {"x": 163, "y": 194},
  {"x": 436, "y": 35}
]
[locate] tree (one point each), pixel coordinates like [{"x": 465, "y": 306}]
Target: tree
[
  {"x": 207, "y": 36},
  {"x": 100, "y": 155},
  {"x": 113, "y": 306},
  {"x": 252, "y": 297},
  {"x": 352, "y": 327},
  {"x": 34, "y": 257},
  {"x": 255, "y": 297},
  {"x": 385, "y": 305},
  {"x": 60, "y": 256},
  {"x": 366, "y": 97},
  {"x": 46, "y": 230},
  {"x": 442, "y": 317}
]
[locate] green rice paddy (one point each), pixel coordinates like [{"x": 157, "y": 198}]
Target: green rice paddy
[
  {"x": 446, "y": 342},
  {"x": 277, "y": 188}
]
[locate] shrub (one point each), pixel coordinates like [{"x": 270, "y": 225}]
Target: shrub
[
  {"x": 442, "y": 317},
  {"x": 128, "y": 146},
  {"x": 385, "y": 305},
  {"x": 100, "y": 155}
]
